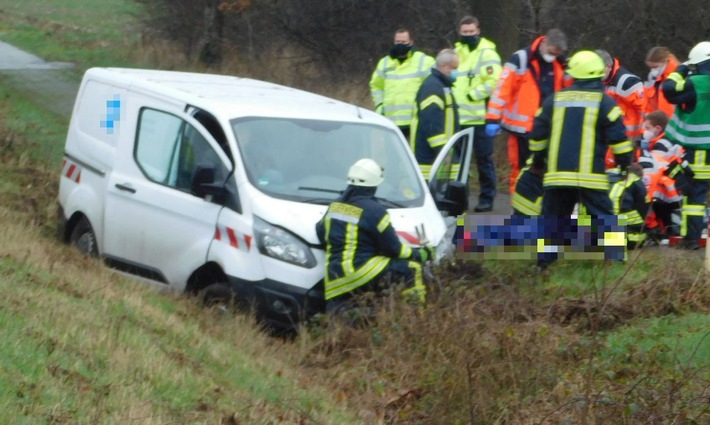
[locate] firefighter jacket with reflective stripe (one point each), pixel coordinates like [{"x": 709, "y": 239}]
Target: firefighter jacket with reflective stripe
[
  {"x": 656, "y": 99},
  {"x": 435, "y": 118},
  {"x": 478, "y": 74},
  {"x": 527, "y": 198},
  {"x": 360, "y": 241},
  {"x": 517, "y": 96},
  {"x": 628, "y": 197},
  {"x": 690, "y": 124},
  {"x": 572, "y": 133},
  {"x": 628, "y": 91},
  {"x": 394, "y": 84}
]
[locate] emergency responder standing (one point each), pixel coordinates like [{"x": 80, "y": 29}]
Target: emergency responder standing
[
  {"x": 570, "y": 137},
  {"x": 529, "y": 76},
  {"x": 628, "y": 91},
  {"x": 436, "y": 116},
  {"x": 688, "y": 87},
  {"x": 397, "y": 78},
  {"x": 478, "y": 72},
  {"x": 661, "y": 63},
  {"x": 361, "y": 244}
]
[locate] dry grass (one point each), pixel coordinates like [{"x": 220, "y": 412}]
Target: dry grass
[
  {"x": 496, "y": 344},
  {"x": 85, "y": 345}
]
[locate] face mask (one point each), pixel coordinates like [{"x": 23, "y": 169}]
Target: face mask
[
  {"x": 656, "y": 72},
  {"x": 548, "y": 58},
  {"x": 400, "y": 50},
  {"x": 471, "y": 40},
  {"x": 649, "y": 135},
  {"x": 454, "y": 74}
]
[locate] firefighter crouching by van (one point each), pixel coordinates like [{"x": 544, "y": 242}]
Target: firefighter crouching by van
[{"x": 362, "y": 246}]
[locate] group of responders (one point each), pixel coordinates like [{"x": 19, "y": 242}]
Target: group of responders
[{"x": 505, "y": 237}]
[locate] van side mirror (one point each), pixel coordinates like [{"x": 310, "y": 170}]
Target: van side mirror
[
  {"x": 203, "y": 184},
  {"x": 455, "y": 199}
]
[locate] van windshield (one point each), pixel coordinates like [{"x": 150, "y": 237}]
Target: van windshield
[{"x": 308, "y": 160}]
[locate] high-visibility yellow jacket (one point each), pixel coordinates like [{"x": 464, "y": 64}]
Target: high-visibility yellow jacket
[
  {"x": 394, "y": 85},
  {"x": 478, "y": 74}
]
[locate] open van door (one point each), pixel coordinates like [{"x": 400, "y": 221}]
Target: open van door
[{"x": 448, "y": 179}]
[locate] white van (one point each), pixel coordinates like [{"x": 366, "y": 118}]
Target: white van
[{"x": 211, "y": 184}]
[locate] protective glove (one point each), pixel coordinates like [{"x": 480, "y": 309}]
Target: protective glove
[
  {"x": 683, "y": 70},
  {"x": 492, "y": 129},
  {"x": 537, "y": 170},
  {"x": 427, "y": 253}
]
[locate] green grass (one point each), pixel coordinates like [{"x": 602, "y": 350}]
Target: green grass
[
  {"x": 87, "y": 33},
  {"x": 497, "y": 344},
  {"x": 32, "y": 133},
  {"x": 683, "y": 341},
  {"x": 89, "y": 346}
]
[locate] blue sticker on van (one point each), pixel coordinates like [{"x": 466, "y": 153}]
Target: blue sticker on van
[{"x": 113, "y": 115}]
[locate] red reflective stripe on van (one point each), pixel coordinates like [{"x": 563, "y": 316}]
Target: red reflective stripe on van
[
  {"x": 409, "y": 238},
  {"x": 233, "y": 240},
  {"x": 71, "y": 170}
]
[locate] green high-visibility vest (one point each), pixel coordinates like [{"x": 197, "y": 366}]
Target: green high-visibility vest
[{"x": 692, "y": 129}]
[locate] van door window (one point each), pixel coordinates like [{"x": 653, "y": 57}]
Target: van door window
[
  {"x": 169, "y": 150},
  {"x": 215, "y": 129}
]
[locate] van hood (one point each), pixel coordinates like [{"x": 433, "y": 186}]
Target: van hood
[{"x": 301, "y": 218}]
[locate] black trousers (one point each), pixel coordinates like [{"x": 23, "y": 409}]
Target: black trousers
[{"x": 560, "y": 201}]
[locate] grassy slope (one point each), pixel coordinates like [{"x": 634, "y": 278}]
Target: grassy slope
[
  {"x": 499, "y": 344},
  {"x": 85, "y": 345}
]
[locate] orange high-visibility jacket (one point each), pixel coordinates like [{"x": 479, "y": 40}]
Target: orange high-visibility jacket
[
  {"x": 517, "y": 98},
  {"x": 628, "y": 91},
  {"x": 655, "y": 99}
]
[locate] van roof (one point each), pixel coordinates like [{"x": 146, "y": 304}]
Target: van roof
[{"x": 230, "y": 97}]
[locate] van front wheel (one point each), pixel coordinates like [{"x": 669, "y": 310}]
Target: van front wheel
[
  {"x": 218, "y": 296},
  {"x": 83, "y": 238}
]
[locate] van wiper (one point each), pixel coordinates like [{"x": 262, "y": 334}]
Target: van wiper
[
  {"x": 391, "y": 204},
  {"x": 319, "y": 201},
  {"x": 320, "y": 189}
]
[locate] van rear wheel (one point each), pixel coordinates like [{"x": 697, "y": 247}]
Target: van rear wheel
[
  {"x": 83, "y": 238},
  {"x": 218, "y": 296}
]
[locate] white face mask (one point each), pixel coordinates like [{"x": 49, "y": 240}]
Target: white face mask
[
  {"x": 649, "y": 135},
  {"x": 656, "y": 72},
  {"x": 548, "y": 58}
]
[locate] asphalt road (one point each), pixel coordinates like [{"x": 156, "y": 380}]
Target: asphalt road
[{"x": 46, "y": 82}]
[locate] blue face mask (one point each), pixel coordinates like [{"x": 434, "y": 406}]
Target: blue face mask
[{"x": 454, "y": 74}]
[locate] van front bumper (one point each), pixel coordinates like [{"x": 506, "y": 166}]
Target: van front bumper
[{"x": 280, "y": 304}]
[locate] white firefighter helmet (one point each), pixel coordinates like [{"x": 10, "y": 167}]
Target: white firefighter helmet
[
  {"x": 699, "y": 53},
  {"x": 365, "y": 172}
]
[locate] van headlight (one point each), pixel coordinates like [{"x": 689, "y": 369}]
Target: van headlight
[{"x": 282, "y": 245}]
